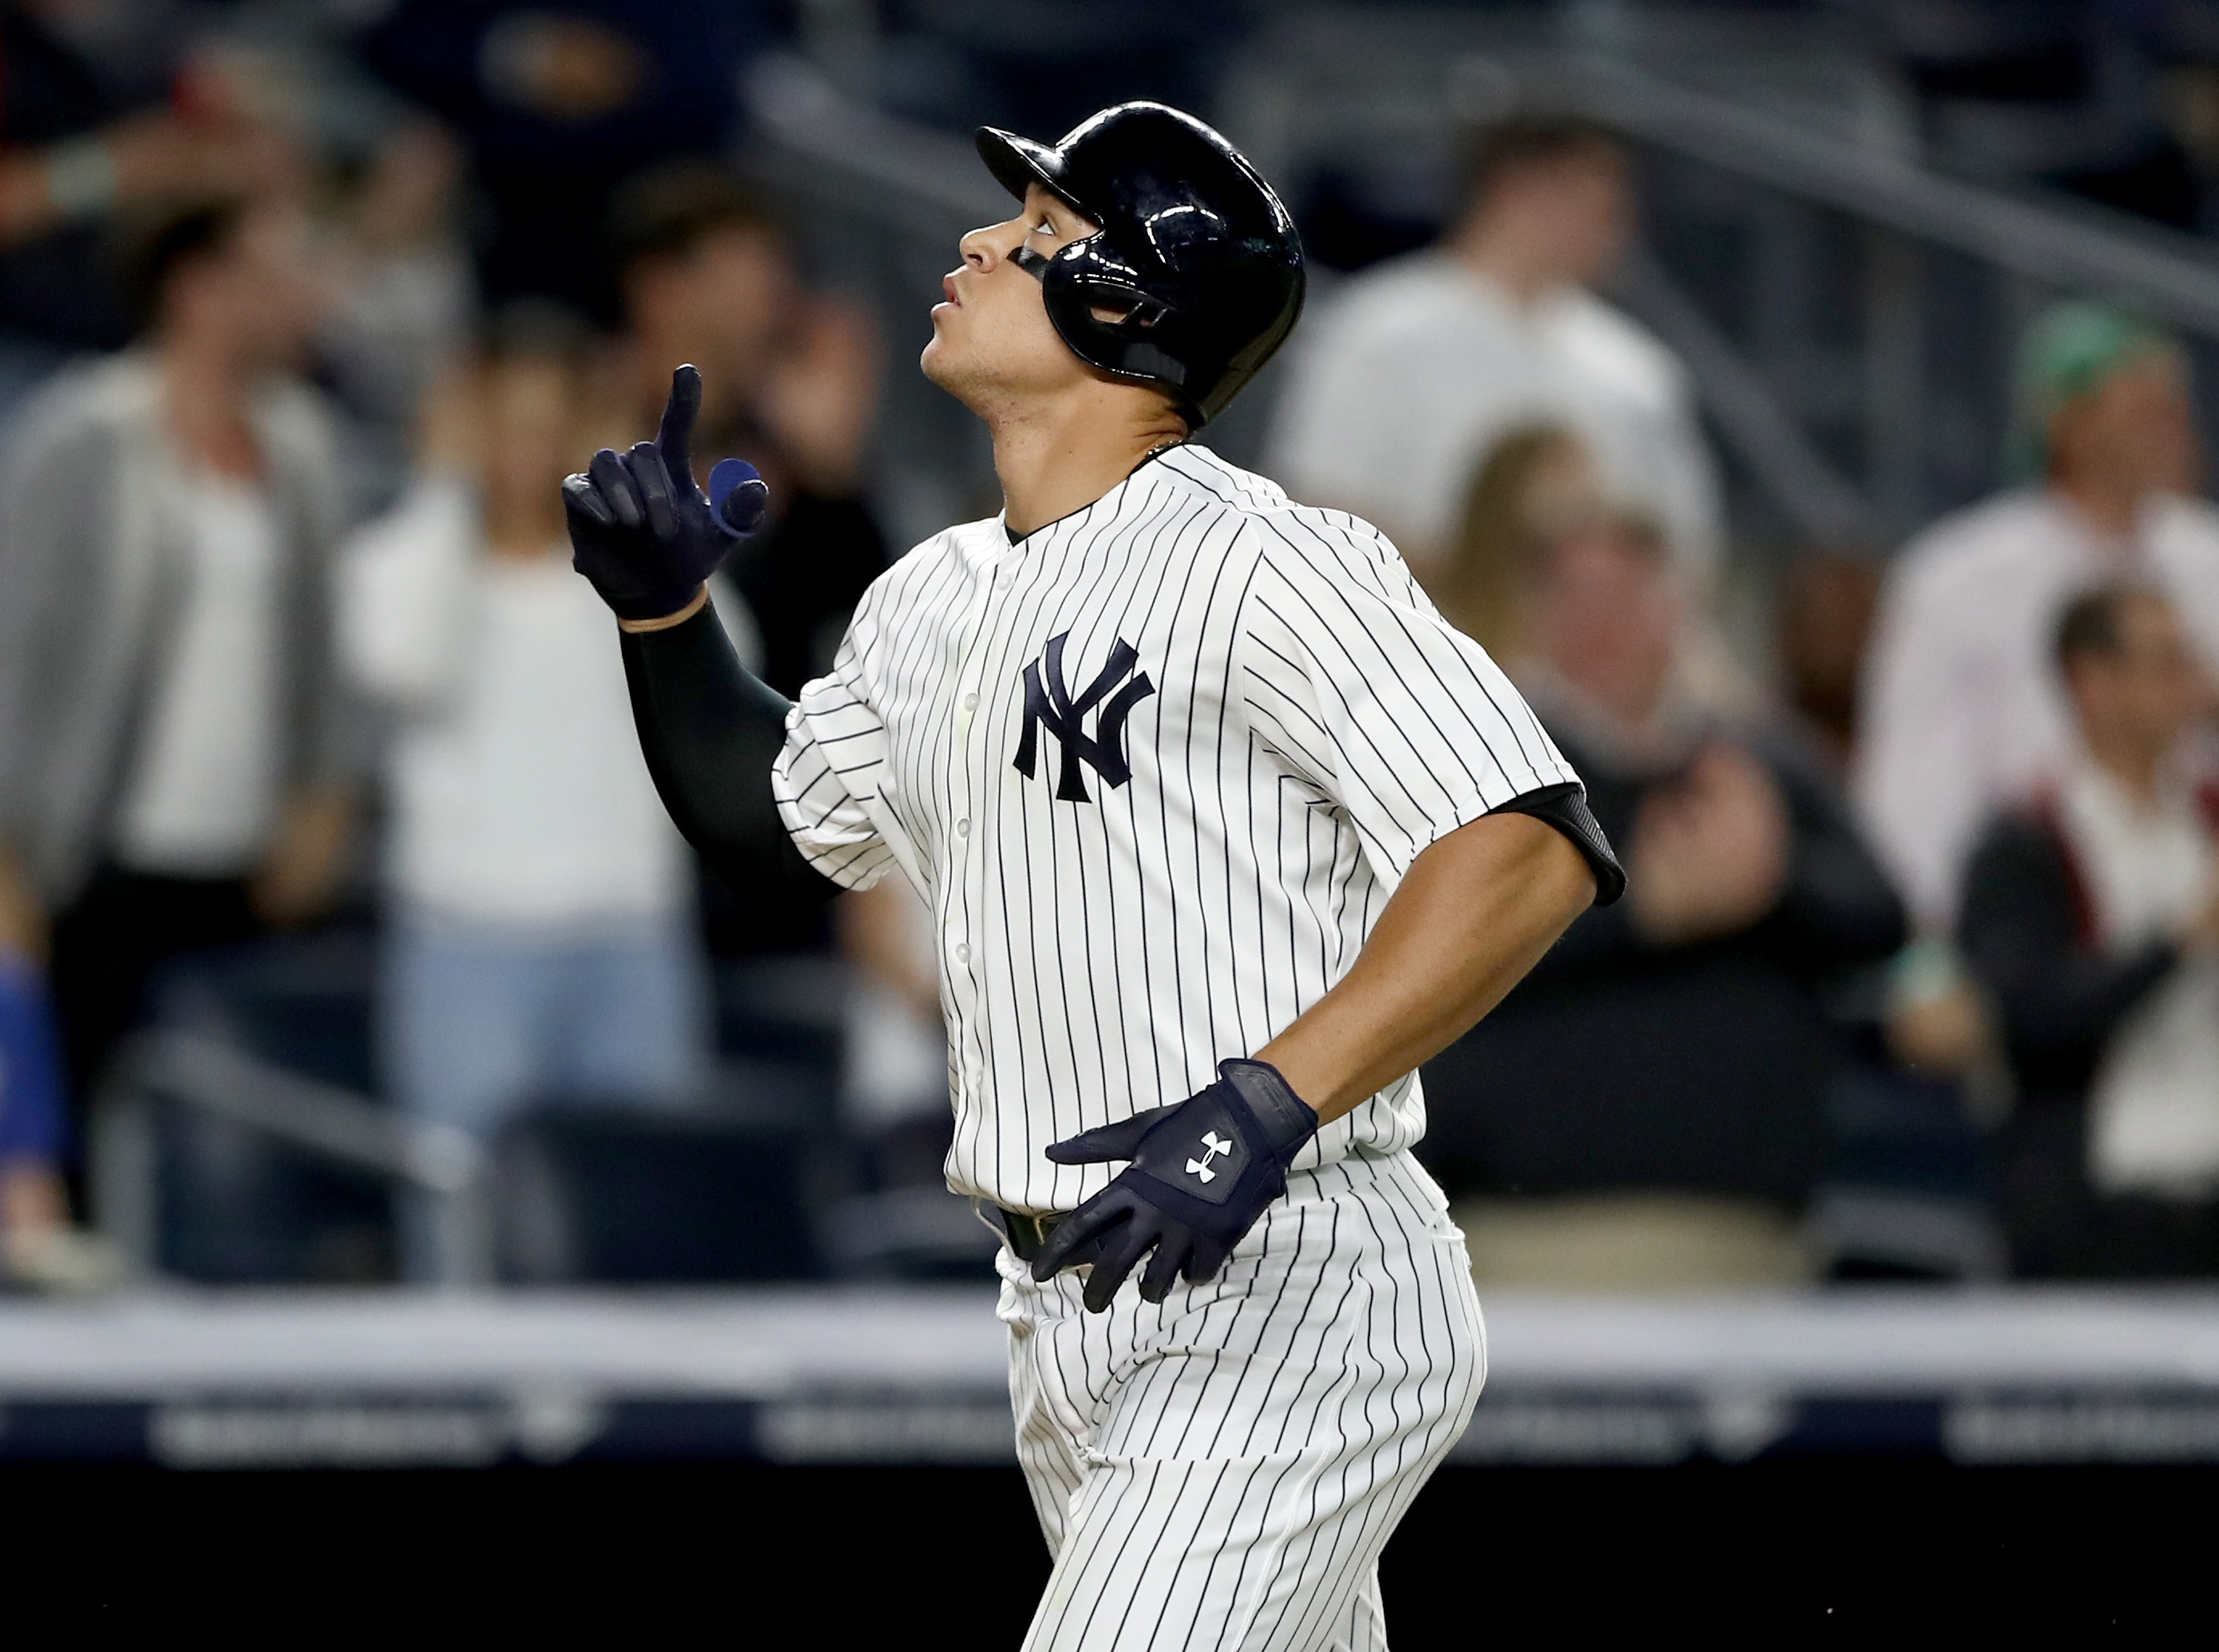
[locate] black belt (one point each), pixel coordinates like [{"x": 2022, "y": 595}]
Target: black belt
[{"x": 1023, "y": 1234}]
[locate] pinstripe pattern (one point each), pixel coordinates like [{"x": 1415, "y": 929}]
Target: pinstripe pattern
[
  {"x": 1313, "y": 726},
  {"x": 1221, "y": 1471}
]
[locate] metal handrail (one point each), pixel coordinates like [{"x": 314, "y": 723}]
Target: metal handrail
[
  {"x": 2172, "y": 275},
  {"x": 931, "y": 180},
  {"x": 1822, "y": 503},
  {"x": 334, "y": 1124}
]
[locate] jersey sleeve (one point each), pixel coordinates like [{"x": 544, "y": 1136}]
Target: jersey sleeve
[
  {"x": 826, "y": 781},
  {"x": 1347, "y": 671}
]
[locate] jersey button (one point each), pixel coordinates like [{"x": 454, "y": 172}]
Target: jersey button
[
  {"x": 1002, "y": 582},
  {"x": 970, "y": 702},
  {"x": 962, "y": 829},
  {"x": 962, "y": 954}
]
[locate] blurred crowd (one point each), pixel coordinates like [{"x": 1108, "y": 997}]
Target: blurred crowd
[
  {"x": 1919, "y": 971},
  {"x": 287, "y": 631},
  {"x": 1953, "y": 875}
]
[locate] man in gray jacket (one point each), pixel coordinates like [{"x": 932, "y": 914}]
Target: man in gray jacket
[{"x": 170, "y": 745}]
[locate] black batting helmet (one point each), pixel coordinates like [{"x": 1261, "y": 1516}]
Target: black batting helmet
[{"x": 1196, "y": 256}]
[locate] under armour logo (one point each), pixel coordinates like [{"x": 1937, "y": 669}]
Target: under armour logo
[
  {"x": 1212, "y": 1145},
  {"x": 1049, "y": 705}
]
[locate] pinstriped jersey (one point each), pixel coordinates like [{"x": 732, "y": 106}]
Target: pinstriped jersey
[{"x": 1155, "y": 769}]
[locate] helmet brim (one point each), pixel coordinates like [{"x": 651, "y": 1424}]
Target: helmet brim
[{"x": 1017, "y": 164}]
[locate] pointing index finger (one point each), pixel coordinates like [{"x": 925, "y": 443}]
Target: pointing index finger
[{"x": 675, "y": 437}]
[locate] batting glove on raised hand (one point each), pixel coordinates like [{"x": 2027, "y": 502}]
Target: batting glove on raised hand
[
  {"x": 642, "y": 531},
  {"x": 1203, "y": 1170}
]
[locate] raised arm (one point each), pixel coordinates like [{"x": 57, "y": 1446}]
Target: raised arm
[
  {"x": 711, "y": 733},
  {"x": 646, "y": 537}
]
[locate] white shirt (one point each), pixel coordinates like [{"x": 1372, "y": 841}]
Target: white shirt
[
  {"x": 1407, "y": 382},
  {"x": 1963, "y": 710},
  {"x": 518, "y": 795},
  {"x": 1299, "y": 725},
  {"x": 203, "y": 791},
  {"x": 2154, "y": 1112}
]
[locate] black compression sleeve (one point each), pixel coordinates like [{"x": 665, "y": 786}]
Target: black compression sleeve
[
  {"x": 1565, "y": 807},
  {"x": 711, "y": 733}
]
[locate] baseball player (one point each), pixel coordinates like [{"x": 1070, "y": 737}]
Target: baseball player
[{"x": 1224, "y": 831}]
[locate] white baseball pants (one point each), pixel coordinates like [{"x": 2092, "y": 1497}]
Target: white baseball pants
[{"x": 1221, "y": 1471}]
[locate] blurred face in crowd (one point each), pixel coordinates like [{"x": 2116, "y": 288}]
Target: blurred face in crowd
[
  {"x": 993, "y": 347},
  {"x": 2135, "y": 704},
  {"x": 1561, "y": 491},
  {"x": 1606, "y": 613},
  {"x": 720, "y": 304},
  {"x": 532, "y": 407},
  {"x": 2132, "y": 435},
  {"x": 1569, "y": 219},
  {"x": 254, "y": 297},
  {"x": 1825, "y": 621}
]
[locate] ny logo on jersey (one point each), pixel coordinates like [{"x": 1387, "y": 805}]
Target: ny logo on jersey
[
  {"x": 1212, "y": 1145},
  {"x": 1050, "y": 704}
]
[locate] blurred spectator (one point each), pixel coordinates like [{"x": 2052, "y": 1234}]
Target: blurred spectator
[
  {"x": 542, "y": 943},
  {"x": 1538, "y": 483},
  {"x": 2092, "y": 918},
  {"x": 39, "y": 1250},
  {"x": 70, "y": 161},
  {"x": 1825, "y": 618},
  {"x": 402, "y": 300},
  {"x": 1424, "y": 364},
  {"x": 1962, "y": 711},
  {"x": 790, "y": 379},
  {"x": 1646, "y": 1108},
  {"x": 172, "y": 747},
  {"x": 557, "y": 105},
  {"x": 790, "y": 382}
]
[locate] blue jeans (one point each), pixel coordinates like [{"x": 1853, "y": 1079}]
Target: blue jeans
[
  {"x": 32, "y": 1130},
  {"x": 478, "y": 1023}
]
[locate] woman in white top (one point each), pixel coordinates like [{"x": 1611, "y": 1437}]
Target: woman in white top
[{"x": 542, "y": 943}]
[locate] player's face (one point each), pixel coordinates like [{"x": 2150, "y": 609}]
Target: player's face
[{"x": 992, "y": 344}]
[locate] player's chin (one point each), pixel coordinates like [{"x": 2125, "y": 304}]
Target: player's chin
[
  {"x": 951, "y": 362},
  {"x": 941, "y": 356}
]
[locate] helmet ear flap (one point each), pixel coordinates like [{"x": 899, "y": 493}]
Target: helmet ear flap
[{"x": 1133, "y": 306}]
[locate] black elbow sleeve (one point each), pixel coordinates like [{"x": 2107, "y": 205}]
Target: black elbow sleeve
[
  {"x": 1565, "y": 807},
  {"x": 711, "y": 734}
]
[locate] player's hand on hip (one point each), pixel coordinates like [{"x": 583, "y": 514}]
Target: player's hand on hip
[
  {"x": 640, "y": 529},
  {"x": 1203, "y": 1170}
]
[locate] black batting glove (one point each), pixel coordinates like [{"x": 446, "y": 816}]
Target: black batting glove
[
  {"x": 1203, "y": 1170},
  {"x": 642, "y": 531}
]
